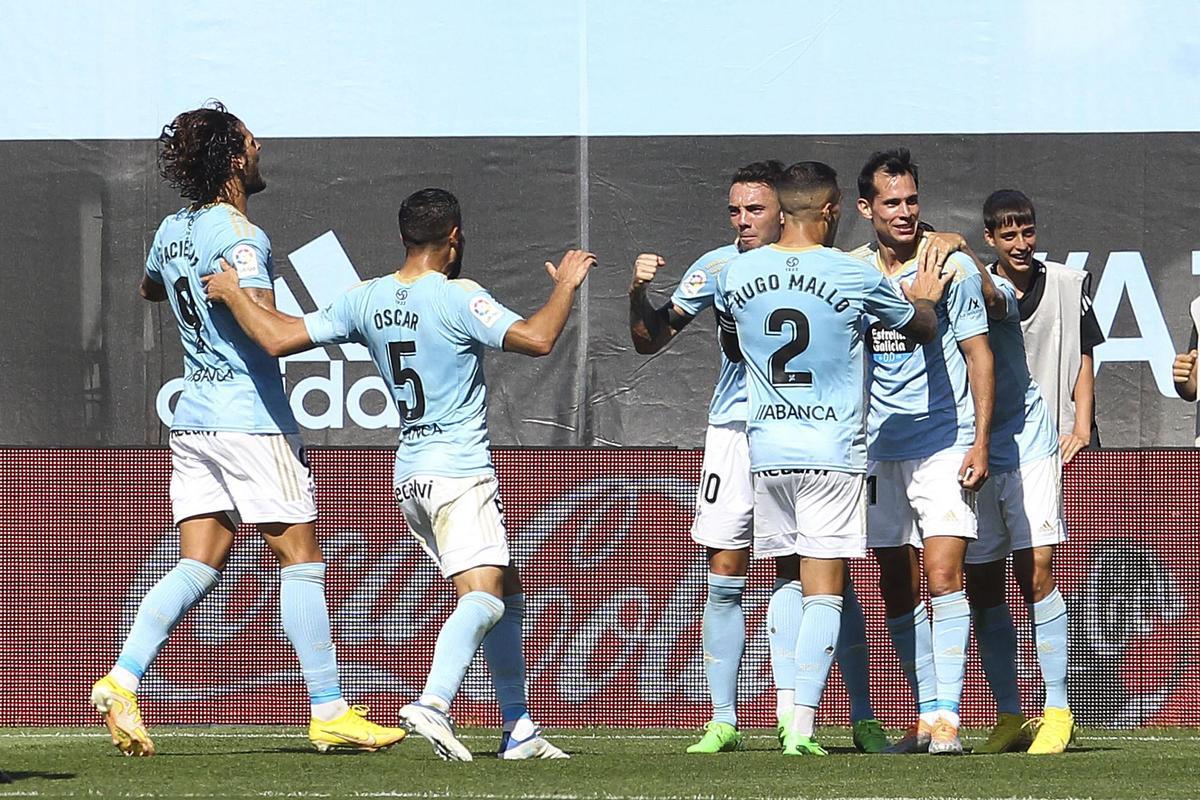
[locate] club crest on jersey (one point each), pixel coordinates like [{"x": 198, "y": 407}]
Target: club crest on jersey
[
  {"x": 693, "y": 283},
  {"x": 245, "y": 260},
  {"x": 487, "y": 311}
]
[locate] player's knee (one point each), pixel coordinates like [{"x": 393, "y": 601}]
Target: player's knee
[
  {"x": 943, "y": 580},
  {"x": 730, "y": 563},
  {"x": 985, "y": 584}
]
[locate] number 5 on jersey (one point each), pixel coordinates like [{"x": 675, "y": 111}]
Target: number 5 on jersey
[{"x": 402, "y": 375}]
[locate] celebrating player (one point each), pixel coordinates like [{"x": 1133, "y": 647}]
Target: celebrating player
[
  {"x": 426, "y": 330},
  {"x": 723, "y": 523},
  {"x": 235, "y": 448},
  {"x": 928, "y": 427},
  {"x": 793, "y": 310}
]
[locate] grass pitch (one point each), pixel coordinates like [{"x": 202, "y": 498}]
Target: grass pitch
[{"x": 606, "y": 764}]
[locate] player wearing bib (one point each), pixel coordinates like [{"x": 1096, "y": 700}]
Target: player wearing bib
[
  {"x": 1020, "y": 512},
  {"x": 792, "y": 310},
  {"x": 723, "y": 521},
  {"x": 928, "y": 427},
  {"x": 235, "y": 450},
  {"x": 427, "y": 330}
]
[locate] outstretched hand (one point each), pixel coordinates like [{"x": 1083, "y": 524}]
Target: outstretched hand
[
  {"x": 572, "y": 269},
  {"x": 219, "y": 286}
]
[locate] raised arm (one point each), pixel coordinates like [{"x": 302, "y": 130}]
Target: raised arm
[
  {"x": 650, "y": 328},
  {"x": 277, "y": 333},
  {"x": 1184, "y": 373},
  {"x": 536, "y": 335},
  {"x": 924, "y": 291}
]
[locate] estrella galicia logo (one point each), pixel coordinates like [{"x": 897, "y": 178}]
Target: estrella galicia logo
[{"x": 888, "y": 346}]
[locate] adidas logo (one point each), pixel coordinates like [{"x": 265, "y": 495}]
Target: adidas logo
[{"x": 325, "y": 272}]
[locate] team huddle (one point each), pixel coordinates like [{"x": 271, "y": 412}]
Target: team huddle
[
  {"x": 882, "y": 399},
  {"x": 947, "y": 447}
]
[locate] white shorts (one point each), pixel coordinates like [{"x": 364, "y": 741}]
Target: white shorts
[
  {"x": 909, "y": 501},
  {"x": 459, "y": 522},
  {"x": 724, "y": 517},
  {"x": 254, "y": 477},
  {"x": 1018, "y": 510},
  {"x": 815, "y": 513}
]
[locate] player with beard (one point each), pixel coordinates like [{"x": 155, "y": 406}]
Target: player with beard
[
  {"x": 427, "y": 331},
  {"x": 236, "y": 452}
]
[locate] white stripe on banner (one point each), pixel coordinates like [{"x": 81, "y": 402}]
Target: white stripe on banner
[{"x": 120, "y": 69}]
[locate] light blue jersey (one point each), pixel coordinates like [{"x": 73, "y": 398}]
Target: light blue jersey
[
  {"x": 694, "y": 294},
  {"x": 920, "y": 400},
  {"x": 799, "y": 318},
  {"x": 1022, "y": 431},
  {"x": 427, "y": 338},
  {"x": 230, "y": 384}
]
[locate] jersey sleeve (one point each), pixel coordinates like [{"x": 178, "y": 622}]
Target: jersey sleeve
[
  {"x": 475, "y": 314},
  {"x": 964, "y": 300},
  {"x": 697, "y": 290},
  {"x": 339, "y": 322},
  {"x": 250, "y": 254},
  {"x": 882, "y": 300}
]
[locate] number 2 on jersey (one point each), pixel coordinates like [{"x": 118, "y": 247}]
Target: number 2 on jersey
[
  {"x": 402, "y": 375},
  {"x": 799, "y": 343}
]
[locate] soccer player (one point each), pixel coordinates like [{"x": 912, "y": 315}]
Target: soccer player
[
  {"x": 793, "y": 311},
  {"x": 236, "y": 453},
  {"x": 723, "y": 522},
  {"x": 1020, "y": 513},
  {"x": 1057, "y": 319},
  {"x": 928, "y": 427},
  {"x": 426, "y": 330}
]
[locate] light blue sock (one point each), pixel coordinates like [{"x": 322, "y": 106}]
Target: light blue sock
[
  {"x": 457, "y": 642},
  {"x": 951, "y": 633},
  {"x": 997, "y": 640},
  {"x": 506, "y": 660},
  {"x": 161, "y": 609},
  {"x": 784, "y": 612},
  {"x": 305, "y": 619},
  {"x": 816, "y": 646},
  {"x": 1050, "y": 636},
  {"x": 913, "y": 641},
  {"x": 724, "y": 635},
  {"x": 852, "y": 656}
]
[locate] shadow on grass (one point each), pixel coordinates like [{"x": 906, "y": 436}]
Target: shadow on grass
[{"x": 11, "y": 777}]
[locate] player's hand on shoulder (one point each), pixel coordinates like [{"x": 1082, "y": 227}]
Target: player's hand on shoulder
[
  {"x": 1181, "y": 370},
  {"x": 939, "y": 245},
  {"x": 645, "y": 267},
  {"x": 218, "y": 286},
  {"x": 572, "y": 269}
]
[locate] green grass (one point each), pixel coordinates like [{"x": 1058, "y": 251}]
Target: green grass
[{"x": 606, "y": 764}]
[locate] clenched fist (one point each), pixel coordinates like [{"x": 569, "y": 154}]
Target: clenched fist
[{"x": 645, "y": 268}]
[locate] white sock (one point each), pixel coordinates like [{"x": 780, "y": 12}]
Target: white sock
[
  {"x": 522, "y": 729},
  {"x": 930, "y": 718},
  {"x": 124, "y": 678},
  {"x": 784, "y": 700},
  {"x": 433, "y": 701},
  {"x": 804, "y": 720},
  {"x": 949, "y": 716},
  {"x": 330, "y": 709}
]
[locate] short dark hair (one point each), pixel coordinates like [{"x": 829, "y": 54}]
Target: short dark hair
[
  {"x": 1007, "y": 207},
  {"x": 765, "y": 172},
  {"x": 801, "y": 181},
  {"x": 196, "y": 151},
  {"x": 894, "y": 162},
  {"x": 428, "y": 216}
]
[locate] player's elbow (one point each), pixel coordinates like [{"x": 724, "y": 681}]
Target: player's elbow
[{"x": 539, "y": 346}]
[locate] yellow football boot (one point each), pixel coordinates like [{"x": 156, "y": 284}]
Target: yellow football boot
[
  {"x": 119, "y": 708},
  {"x": 353, "y": 730}
]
